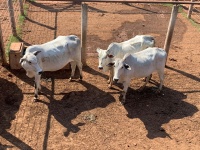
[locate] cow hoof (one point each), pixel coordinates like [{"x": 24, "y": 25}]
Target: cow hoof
[
  {"x": 157, "y": 91},
  {"x": 110, "y": 86},
  {"x": 122, "y": 102},
  {"x": 81, "y": 78},
  {"x": 145, "y": 79},
  {"x": 141, "y": 89},
  {"x": 70, "y": 79},
  {"x": 35, "y": 99},
  {"x": 108, "y": 81}
]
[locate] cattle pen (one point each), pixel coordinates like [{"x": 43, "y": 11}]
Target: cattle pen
[
  {"x": 87, "y": 114},
  {"x": 16, "y": 15}
]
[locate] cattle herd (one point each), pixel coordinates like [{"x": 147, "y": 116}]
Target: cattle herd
[{"x": 135, "y": 58}]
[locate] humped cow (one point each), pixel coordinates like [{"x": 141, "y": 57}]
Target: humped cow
[
  {"x": 118, "y": 50},
  {"x": 138, "y": 65},
  {"x": 52, "y": 56}
]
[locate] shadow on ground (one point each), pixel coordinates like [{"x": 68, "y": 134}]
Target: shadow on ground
[
  {"x": 10, "y": 100},
  {"x": 154, "y": 110}
]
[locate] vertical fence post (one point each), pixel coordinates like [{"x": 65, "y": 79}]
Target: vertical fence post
[
  {"x": 84, "y": 17},
  {"x": 190, "y": 10},
  {"x": 171, "y": 28},
  {"x": 12, "y": 17},
  {"x": 2, "y": 50},
  {"x": 21, "y": 7}
]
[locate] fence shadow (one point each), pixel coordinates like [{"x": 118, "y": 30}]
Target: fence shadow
[
  {"x": 73, "y": 104},
  {"x": 184, "y": 73},
  {"x": 70, "y": 6},
  {"x": 154, "y": 110},
  {"x": 10, "y": 100}
]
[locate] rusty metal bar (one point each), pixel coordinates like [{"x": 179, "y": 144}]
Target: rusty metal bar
[
  {"x": 134, "y": 1},
  {"x": 12, "y": 17},
  {"x": 2, "y": 50},
  {"x": 21, "y": 7},
  {"x": 190, "y": 10},
  {"x": 84, "y": 18}
]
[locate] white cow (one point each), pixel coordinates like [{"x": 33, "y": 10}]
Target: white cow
[
  {"x": 118, "y": 50},
  {"x": 52, "y": 56},
  {"x": 138, "y": 65}
]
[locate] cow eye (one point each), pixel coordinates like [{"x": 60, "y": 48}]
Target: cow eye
[{"x": 29, "y": 62}]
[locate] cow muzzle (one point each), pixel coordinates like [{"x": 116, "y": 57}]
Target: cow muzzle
[
  {"x": 40, "y": 72},
  {"x": 100, "y": 68},
  {"x": 115, "y": 80}
]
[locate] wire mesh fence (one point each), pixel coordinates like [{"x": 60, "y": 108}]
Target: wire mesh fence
[
  {"x": 38, "y": 126},
  {"x": 196, "y": 14},
  {"x": 45, "y": 20}
]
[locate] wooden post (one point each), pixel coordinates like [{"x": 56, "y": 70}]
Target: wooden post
[
  {"x": 12, "y": 17},
  {"x": 21, "y": 7},
  {"x": 84, "y": 17},
  {"x": 171, "y": 28},
  {"x": 190, "y": 10},
  {"x": 2, "y": 50}
]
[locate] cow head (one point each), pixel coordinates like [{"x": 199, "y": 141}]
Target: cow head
[
  {"x": 30, "y": 63},
  {"x": 119, "y": 68},
  {"x": 112, "y": 50},
  {"x": 103, "y": 59}
]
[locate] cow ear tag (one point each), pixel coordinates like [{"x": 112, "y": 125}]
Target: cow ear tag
[{"x": 127, "y": 66}]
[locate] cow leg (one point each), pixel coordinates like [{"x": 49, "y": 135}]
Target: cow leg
[
  {"x": 126, "y": 85},
  {"x": 161, "y": 76},
  {"x": 111, "y": 78},
  {"x": 146, "y": 81},
  {"x": 147, "y": 77},
  {"x": 80, "y": 65},
  {"x": 73, "y": 67},
  {"x": 37, "y": 86}
]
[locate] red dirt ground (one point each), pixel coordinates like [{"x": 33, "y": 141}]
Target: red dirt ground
[{"x": 88, "y": 115}]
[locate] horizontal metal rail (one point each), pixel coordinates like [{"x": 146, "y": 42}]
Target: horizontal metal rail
[{"x": 135, "y": 1}]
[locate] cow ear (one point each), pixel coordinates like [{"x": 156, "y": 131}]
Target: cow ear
[
  {"x": 98, "y": 50},
  {"x": 127, "y": 66},
  {"x": 110, "y": 64},
  {"x": 36, "y": 52},
  {"x": 21, "y": 60}
]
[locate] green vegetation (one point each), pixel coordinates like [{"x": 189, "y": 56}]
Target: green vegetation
[
  {"x": 191, "y": 20},
  {"x": 168, "y": 5},
  {"x": 11, "y": 40},
  {"x": 184, "y": 13}
]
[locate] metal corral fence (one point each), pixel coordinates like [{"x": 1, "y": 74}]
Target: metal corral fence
[
  {"x": 194, "y": 10},
  {"x": 18, "y": 18}
]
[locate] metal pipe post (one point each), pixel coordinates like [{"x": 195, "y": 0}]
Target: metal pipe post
[
  {"x": 171, "y": 28},
  {"x": 84, "y": 18}
]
